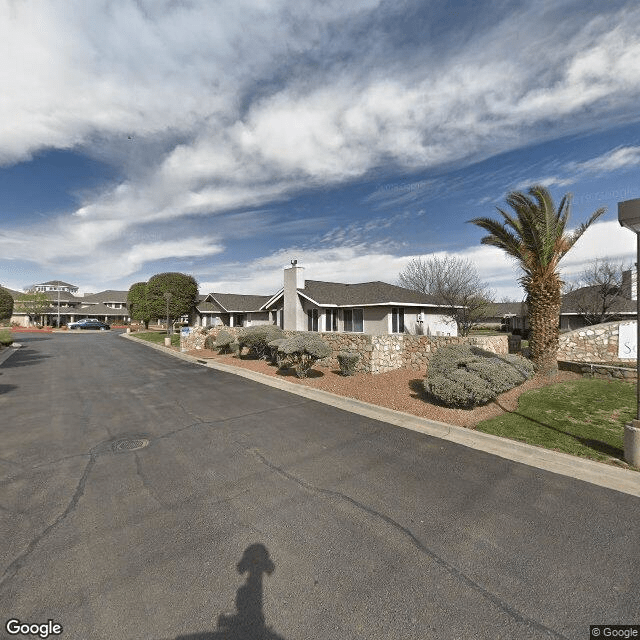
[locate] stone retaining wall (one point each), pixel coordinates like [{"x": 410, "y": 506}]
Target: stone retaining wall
[
  {"x": 589, "y": 370},
  {"x": 598, "y": 343},
  {"x": 378, "y": 354}
]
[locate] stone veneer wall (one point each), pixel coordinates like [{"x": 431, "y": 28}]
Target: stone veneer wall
[
  {"x": 379, "y": 353},
  {"x": 597, "y": 343}
]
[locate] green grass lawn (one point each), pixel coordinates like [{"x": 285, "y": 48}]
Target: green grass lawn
[
  {"x": 584, "y": 418},
  {"x": 157, "y": 337}
]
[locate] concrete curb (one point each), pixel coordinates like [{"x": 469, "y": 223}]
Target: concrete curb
[{"x": 597, "y": 473}]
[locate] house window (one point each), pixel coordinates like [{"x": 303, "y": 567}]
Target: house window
[
  {"x": 312, "y": 320},
  {"x": 331, "y": 320},
  {"x": 353, "y": 321},
  {"x": 397, "y": 320}
]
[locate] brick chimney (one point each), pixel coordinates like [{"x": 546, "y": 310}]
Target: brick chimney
[{"x": 294, "y": 316}]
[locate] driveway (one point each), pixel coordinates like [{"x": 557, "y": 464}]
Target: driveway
[{"x": 146, "y": 497}]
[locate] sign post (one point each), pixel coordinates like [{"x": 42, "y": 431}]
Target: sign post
[{"x": 184, "y": 333}]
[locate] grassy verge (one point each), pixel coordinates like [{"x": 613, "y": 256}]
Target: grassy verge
[
  {"x": 5, "y": 337},
  {"x": 584, "y": 418},
  {"x": 158, "y": 338}
]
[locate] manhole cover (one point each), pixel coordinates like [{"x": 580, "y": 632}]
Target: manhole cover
[{"x": 129, "y": 444}]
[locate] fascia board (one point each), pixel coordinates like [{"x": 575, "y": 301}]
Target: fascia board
[{"x": 272, "y": 300}]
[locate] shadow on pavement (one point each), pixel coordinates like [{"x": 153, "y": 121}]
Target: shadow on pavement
[
  {"x": 248, "y": 622},
  {"x": 23, "y": 358}
]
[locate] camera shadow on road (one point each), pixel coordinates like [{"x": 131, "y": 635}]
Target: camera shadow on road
[{"x": 248, "y": 622}]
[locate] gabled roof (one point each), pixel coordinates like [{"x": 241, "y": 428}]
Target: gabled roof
[
  {"x": 56, "y": 283},
  {"x": 589, "y": 297},
  {"x": 236, "y": 302},
  {"x": 110, "y": 295},
  {"x": 14, "y": 294},
  {"x": 208, "y": 306},
  {"x": 98, "y": 309},
  {"x": 363, "y": 294},
  {"x": 53, "y": 296}
]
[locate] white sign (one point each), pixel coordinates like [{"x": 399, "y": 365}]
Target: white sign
[{"x": 628, "y": 341}]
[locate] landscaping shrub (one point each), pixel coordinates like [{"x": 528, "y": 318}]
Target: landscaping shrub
[
  {"x": 257, "y": 339},
  {"x": 224, "y": 342},
  {"x": 465, "y": 376},
  {"x": 5, "y": 338},
  {"x": 275, "y": 355},
  {"x": 302, "y": 351},
  {"x": 348, "y": 361}
]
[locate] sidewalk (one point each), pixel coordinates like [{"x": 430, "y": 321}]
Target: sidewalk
[{"x": 604, "y": 475}]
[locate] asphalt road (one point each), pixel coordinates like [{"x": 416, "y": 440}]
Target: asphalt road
[{"x": 247, "y": 512}]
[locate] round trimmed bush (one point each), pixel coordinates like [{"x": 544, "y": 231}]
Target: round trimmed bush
[
  {"x": 465, "y": 376},
  {"x": 348, "y": 361},
  {"x": 302, "y": 351},
  {"x": 257, "y": 339}
]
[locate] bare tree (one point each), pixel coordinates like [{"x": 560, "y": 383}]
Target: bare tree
[
  {"x": 455, "y": 283},
  {"x": 599, "y": 294}
]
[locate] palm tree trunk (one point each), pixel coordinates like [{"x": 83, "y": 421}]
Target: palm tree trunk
[{"x": 543, "y": 300}]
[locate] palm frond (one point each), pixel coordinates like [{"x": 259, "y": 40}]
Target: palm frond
[{"x": 499, "y": 236}]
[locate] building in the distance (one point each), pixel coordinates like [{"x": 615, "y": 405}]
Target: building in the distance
[{"x": 65, "y": 306}]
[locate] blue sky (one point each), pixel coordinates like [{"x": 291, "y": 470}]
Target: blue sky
[{"x": 225, "y": 139}]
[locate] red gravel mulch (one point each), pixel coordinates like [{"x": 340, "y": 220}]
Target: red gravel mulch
[{"x": 400, "y": 389}]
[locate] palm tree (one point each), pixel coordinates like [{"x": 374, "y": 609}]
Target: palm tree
[{"x": 535, "y": 236}]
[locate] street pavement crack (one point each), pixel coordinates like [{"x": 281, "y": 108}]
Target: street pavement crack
[
  {"x": 21, "y": 560},
  {"x": 190, "y": 413},
  {"x": 214, "y": 423},
  {"x": 447, "y": 566}
]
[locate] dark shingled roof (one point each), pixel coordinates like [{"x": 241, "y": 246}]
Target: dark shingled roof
[
  {"x": 363, "y": 293},
  {"x": 110, "y": 295},
  {"x": 57, "y": 283},
  {"x": 589, "y": 297},
  {"x": 98, "y": 310},
  {"x": 239, "y": 302},
  {"x": 208, "y": 306}
]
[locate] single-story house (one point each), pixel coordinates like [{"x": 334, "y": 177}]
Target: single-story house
[
  {"x": 504, "y": 316},
  {"x": 231, "y": 310},
  {"x": 580, "y": 308},
  {"x": 368, "y": 307}
]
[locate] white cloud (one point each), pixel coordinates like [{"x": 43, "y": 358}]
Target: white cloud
[
  {"x": 240, "y": 84},
  {"x": 360, "y": 263}
]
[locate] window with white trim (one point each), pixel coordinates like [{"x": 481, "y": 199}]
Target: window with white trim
[
  {"x": 397, "y": 320},
  {"x": 353, "y": 320},
  {"x": 331, "y": 320},
  {"x": 312, "y": 319}
]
